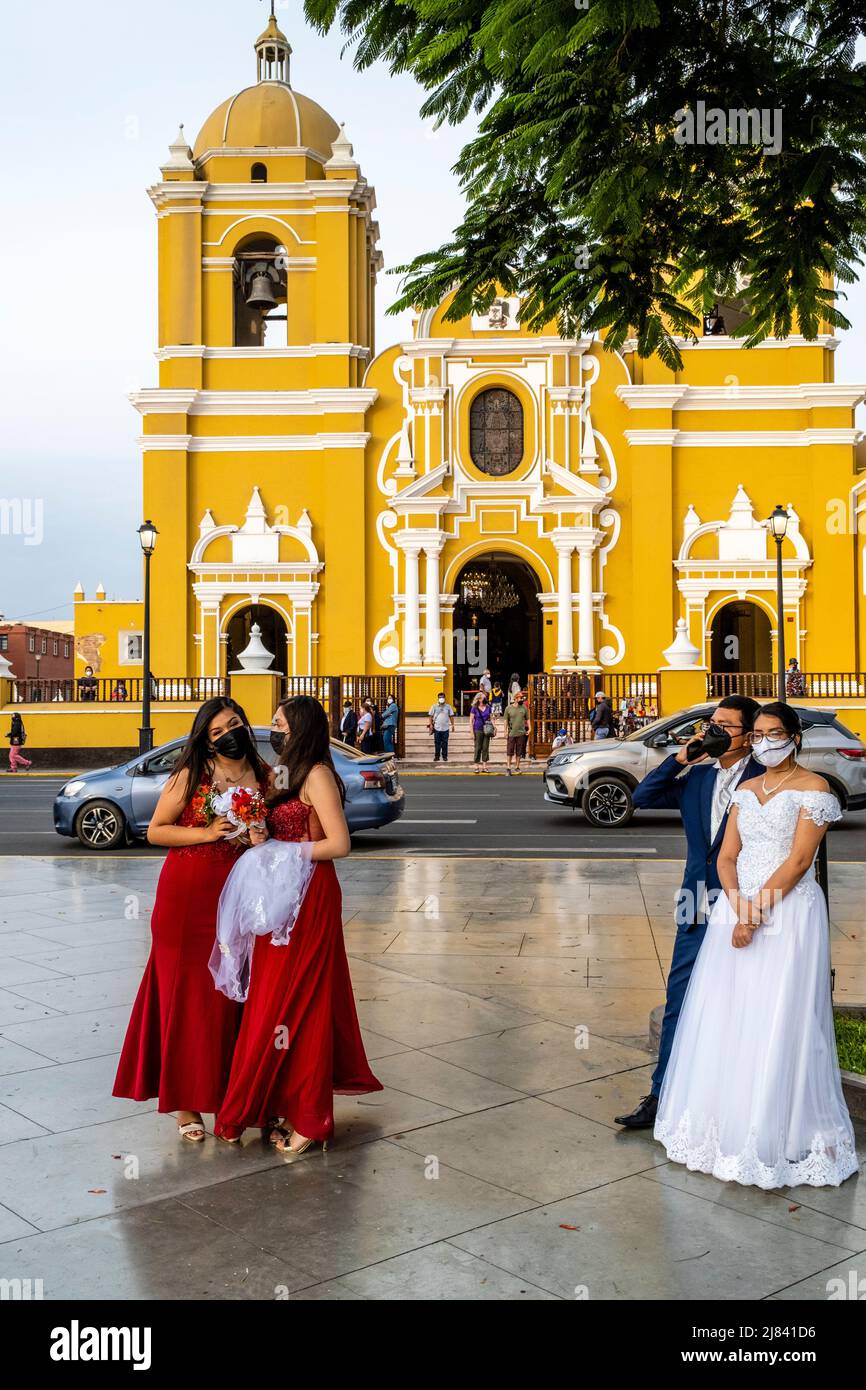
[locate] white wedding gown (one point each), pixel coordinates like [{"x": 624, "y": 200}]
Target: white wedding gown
[{"x": 752, "y": 1092}]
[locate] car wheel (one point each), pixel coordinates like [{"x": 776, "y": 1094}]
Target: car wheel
[
  {"x": 100, "y": 825},
  {"x": 607, "y": 803}
]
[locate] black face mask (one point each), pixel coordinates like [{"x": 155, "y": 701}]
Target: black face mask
[
  {"x": 233, "y": 745},
  {"x": 277, "y": 738},
  {"x": 714, "y": 743}
]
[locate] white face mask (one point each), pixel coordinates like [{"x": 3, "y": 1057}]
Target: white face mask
[{"x": 770, "y": 753}]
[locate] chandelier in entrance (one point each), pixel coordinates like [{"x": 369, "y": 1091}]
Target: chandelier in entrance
[{"x": 488, "y": 589}]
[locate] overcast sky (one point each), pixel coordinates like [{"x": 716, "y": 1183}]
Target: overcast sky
[{"x": 87, "y": 122}]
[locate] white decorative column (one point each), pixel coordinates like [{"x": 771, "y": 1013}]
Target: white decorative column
[
  {"x": 433, "y": 629},
  {"x": 412, "y": 613},
  {"x": 585, "y": 637},
  {"x": 564, "y": 631}
]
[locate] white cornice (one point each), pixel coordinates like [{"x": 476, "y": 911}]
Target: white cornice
[
  {"x": 326, "y": 401},
  {"x": 651, "y": 437},
  {"x": 514, "y": 344},
  {"x": 260, "y": 152},
  {"x": 743, "y": 439},
  {"x": 178, "y": 190},
  {"x": 818, "y": 395},
  {"x": 238, "y": 354},
  {"x": 253, "y": 443},
  {"x": 721, "y": 343}
]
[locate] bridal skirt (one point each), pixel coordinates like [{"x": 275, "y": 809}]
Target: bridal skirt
[{"x": 752, "y": 1092}]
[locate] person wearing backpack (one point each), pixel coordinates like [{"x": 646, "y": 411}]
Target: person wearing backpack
[{"x": 17, "y": 739}]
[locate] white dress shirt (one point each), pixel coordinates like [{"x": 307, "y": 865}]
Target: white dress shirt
[
  {"x": 726, "y": 781},
  {"x": 723, "y": 788}
]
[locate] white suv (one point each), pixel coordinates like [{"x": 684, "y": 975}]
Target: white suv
[{"x": 599, "y": 777}]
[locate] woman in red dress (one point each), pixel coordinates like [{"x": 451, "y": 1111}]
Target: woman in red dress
[
  {"x": 181, "y": 1034},
  {"x": 299, "y": 1041}
]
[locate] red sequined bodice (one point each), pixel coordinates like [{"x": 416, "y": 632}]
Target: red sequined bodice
[
  {"x": 194, "y": 814},
  {"x": 290, "y": 820}
]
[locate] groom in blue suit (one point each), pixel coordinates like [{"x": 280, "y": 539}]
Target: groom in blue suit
[{"x": 702, "y": 796}]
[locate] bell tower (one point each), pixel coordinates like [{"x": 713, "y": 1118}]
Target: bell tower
[{"x": 268, "y": 257}]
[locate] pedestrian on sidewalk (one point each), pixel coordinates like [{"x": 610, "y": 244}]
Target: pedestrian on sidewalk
[
  {"x": 497, "y": 699},
  {"x": 601, "y": 719},
  {"x": 390, "y": 720},
  {"x": 17, "y": 739},
  {"x": 348, "y": 724},
  {"x": 378, "y": 739},
  {"x": 483, "y": 729},
  {"x": 440, "y": 723},
  {"x": 367, "y": 728},
  {"x": 517, "y": 728},
  {"x": 486, "y": 684},
  {"x": 515, "y": 685}
]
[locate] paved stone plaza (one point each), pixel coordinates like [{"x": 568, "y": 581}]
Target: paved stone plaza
[{"x": 489, "y": 1168}]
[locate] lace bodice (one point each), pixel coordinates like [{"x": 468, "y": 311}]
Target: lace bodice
[
  {"x": 290, "y": 820},
  {"x": 767, "y": 832}
]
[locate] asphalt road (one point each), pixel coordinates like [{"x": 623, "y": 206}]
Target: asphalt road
[{"x": 488, "y": 817}]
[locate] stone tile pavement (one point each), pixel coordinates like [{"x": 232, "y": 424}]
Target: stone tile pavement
[{"x": 489, "y": 1168}]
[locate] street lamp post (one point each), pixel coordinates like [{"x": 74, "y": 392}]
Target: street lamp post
[
  {"x": 147, "y": 534},
  {"x": 778, "y": 524}
]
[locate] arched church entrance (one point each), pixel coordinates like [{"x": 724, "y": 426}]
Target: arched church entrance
[
  {"x": 497, "y": 621},
  {"x": 274, "y": 635},
  {"x": 741, "y": 639}
]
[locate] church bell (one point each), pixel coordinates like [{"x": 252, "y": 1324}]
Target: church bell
[{"x": 261, "y": 291}]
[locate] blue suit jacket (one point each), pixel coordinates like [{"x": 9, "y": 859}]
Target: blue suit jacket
[{"x": 691, "y": 793}]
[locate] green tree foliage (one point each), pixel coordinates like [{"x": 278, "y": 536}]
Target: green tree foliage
[{"x": 580, "y": 197}]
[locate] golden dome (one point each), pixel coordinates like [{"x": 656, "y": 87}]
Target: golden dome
[{"x": 269, "y": 115}]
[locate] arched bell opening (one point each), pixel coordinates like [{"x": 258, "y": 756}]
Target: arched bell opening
[{"x": 260, "y": 292}]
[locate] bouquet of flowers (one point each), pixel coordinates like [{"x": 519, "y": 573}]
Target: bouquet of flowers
[{"x": 243, "y": 806}]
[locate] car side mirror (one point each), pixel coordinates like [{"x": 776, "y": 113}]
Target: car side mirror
[{"x": 660, "y": 741}]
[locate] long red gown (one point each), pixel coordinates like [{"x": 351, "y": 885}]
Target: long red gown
[
  {"x": 300, "y": 993},
  {"x": 182, "y": 1032}
]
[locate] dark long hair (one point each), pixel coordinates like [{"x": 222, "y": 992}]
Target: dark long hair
[
  {"x": 307, "y": 744},
  {"x": 787, "y": 717},
  {"x": 196, "y": 758}
]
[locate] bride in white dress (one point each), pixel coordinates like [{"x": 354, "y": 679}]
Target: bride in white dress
[{"x": 752, "y": 1092}]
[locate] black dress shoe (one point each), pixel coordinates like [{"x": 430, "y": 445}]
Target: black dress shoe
[{"x": 642, "y": 1117}]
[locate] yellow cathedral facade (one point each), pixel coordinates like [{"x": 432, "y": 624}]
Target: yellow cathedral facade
[{"x": 477, "y": 495}]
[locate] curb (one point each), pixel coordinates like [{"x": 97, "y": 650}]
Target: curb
[{"x": 44, "y": 772}]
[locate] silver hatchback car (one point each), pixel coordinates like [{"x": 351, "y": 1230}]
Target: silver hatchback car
[{"x": 599, "y": 777}]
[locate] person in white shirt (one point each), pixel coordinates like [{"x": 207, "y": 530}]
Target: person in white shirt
[{"x": 440, "y": 722}]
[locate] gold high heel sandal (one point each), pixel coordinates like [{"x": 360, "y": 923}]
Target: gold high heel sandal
[{"x": 285, "y": 1147}]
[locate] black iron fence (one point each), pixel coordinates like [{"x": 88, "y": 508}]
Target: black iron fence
[
  {"x": 566, "y": 702},
  {"x": 118, "y": 690},
  {"x": 334, "y": 691}
]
